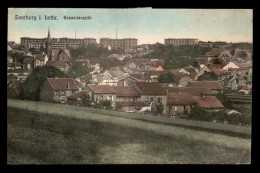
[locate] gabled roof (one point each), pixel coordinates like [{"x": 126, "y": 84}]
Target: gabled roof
[
  {"x": 194, "y": 91},
  {"x": 40, "y": 56},
  {"x": 208, "y": 102},
  {"x": 62, "y": 83},
  {"x": 179, "y": 99},
  {"x": 137, "y": 76},
  {"x": 201, "y": 61},
  {"x": 159, "y": 68},
  {"x": 79, "y": 94},
  {"x": 28, "y": 61},
  {"x": 102, "y": 89},
  {"x": 157, "y": 73},
  {"x": 150, "y": 88},
  {"x": 125, "y": 91},
  {"x": 243, "y": 65},
  {"x": 213, "y": 85}
]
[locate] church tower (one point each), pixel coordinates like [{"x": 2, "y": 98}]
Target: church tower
[{"x": 49, "y": 46}]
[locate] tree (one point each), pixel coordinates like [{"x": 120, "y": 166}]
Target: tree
[
  {"x": 159, "y": 108},
  {"x": 106, "y": 103},
  {"x": 77, "y": 70},
  {"x": 86, "y": 100},
  {"x": 226, "y": 102},
  {"x": 196, "y": 64},
  {"x": 166, "y": 78},
  {"x": 30, "y": 88}
]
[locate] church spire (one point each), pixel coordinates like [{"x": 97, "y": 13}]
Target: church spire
[
  {"x": 49, "y": 32},
  {"x": 49, "y": 45}
]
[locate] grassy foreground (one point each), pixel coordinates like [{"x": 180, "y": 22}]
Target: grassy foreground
[{"x": 80, "y": 137}]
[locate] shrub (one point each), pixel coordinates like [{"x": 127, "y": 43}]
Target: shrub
[{"x": 106, "y": 103}]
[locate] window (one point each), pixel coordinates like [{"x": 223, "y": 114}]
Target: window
[
  {"x": 159, "y": 100},
  {"x": 110, "y": 97},
  {"x": 151, "y": 99}
]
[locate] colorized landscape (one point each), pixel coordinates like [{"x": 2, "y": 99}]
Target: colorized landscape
[{"x": 39, "y": 136}]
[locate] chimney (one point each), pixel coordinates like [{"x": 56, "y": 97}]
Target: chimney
[
  {"x": 68, "y": 85},
  {"x": 202, "y": 95},
  {"x": 167, "y": 91}
]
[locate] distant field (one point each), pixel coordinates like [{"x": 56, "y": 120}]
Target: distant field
[{"x": 82, "y": 137}]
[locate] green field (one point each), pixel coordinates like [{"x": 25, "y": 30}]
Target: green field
[{"x": 72, "y": 135}]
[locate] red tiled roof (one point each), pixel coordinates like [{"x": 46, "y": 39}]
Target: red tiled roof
[
  {"x": 102, "y": 89},
  {"x": 150, "y": 88},
  {"x": 179, "y": 99},
  {"x": 132, "y": 103},
  {"x": 244, "y": 65},
  {"x": 191, "y": 90},
  {"x": 137, "y": 76},
  {"x": 28, "y": 60},
  {"x": 213, "y": 85},
  {"x": 157, "y": 73},
  {"x": 125, "y": 91},
  {"x": 244, "y": 88},
  {"x": 40, "y": 56},
  {"x": 208, "y": 102},
  {"x": 62, "y": 83},
  {"x": 79, "y": 94},
  {"x": 158, "y": 63},
  {"x": 201, "y": 61}
]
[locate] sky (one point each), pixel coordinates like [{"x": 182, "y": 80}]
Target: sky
[{"x": 147, "y": 25}]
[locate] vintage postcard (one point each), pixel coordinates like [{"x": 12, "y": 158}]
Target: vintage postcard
[{"x": 129, "y": 86}]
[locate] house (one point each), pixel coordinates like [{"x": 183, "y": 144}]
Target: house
[
  {"x": 58, "y": 89},
  {"x": 100, "y": 93},
  {"x": 126, "y": 94},
  {"x": 28, "y": 63},
  {"x": 14, "y": 65},
  {"x": 61, "y": 55},
  {"x": 214, "y": 86},
  {"x": 202, "y": 62},
  {"x": 151, "y": 92},
  {"x": 208, "y": 102},
  {"x": 230, "y": 65},
  {"x": 128, "y": 99},
  {"x": 128, "y": 80},
  {"x": 192, "y": 71},
  {"x": 183, "y": 82},
  {"x": 231, "y": 83},
  {"x": 193, "y": 91},
  {"x": 75, "y": 99},
  {"x": 61, "y": 65},
  {"x": 40, "y": 60},
  {"x": 131, "y": 106},
  {"x": 179, "y": 103}
]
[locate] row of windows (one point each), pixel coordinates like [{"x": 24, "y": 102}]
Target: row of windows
[{"x": 159, "y": 99}]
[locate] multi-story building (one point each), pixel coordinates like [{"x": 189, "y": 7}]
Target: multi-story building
[
  {"x": 124, "y": 44},
  {"x": 57, "y": 43},
  {"x": 181, "y": 41}
]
